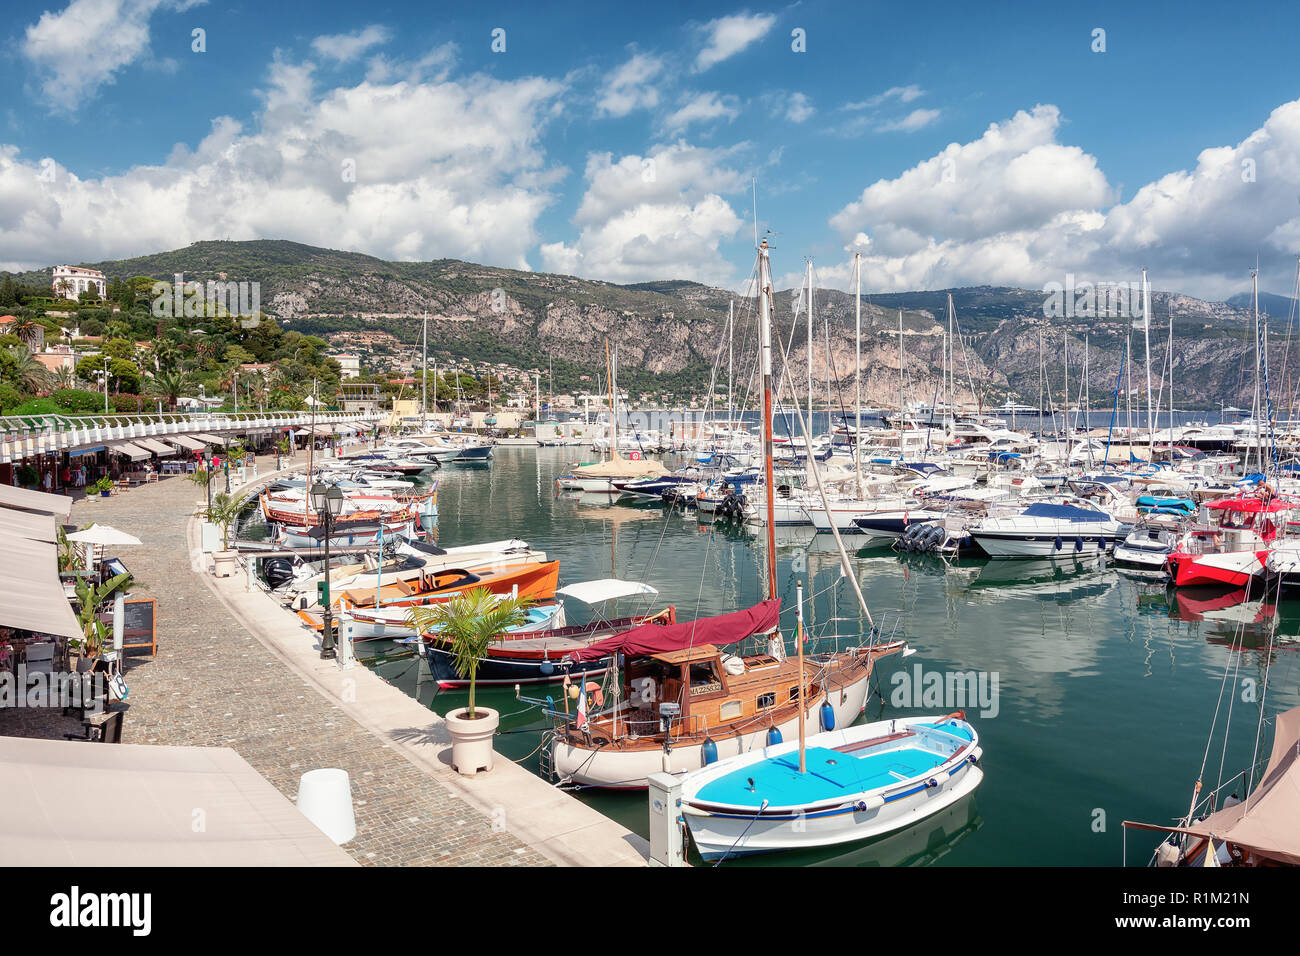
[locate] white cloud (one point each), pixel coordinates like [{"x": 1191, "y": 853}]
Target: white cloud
[
  {"x": 653, "y": 217},
  {"x": 474, "y": 191},
  {"x": 799, "y": 108},
  {"x": 904, "y": 94},
  {"x": 345, "y": 47},
  {"x": 631, "y": 86},
  {"x": 79, "y": 49},
  {"x": 1017, "y": 207},
  {"x": 727, "y": 36},
  {"x": 701, "y": 108},
  {"x": 917, "y": 119}
]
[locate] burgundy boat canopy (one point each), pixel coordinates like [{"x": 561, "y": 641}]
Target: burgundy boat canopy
[
  {"x": 650, "y": 639},
  {"x": 1252, "y": 505}
]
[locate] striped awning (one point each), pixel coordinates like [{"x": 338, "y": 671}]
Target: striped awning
[
  {"x": 186, "y": 442},
  {"x": 129, "y": 449},
  {"x": 155, "y": 446},
  {"x": 210, "y": 439}
]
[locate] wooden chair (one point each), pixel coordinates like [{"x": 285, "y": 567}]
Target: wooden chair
[{"x": 101, "y": 728}]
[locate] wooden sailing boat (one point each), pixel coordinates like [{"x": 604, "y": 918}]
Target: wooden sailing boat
[{"x": 681, "y": 701}]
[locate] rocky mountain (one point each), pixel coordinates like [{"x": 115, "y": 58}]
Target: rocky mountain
[{"x": 672, "y": 335}]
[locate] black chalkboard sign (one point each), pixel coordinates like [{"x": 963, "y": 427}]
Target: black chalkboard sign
[{"x": 138, "y": 629}]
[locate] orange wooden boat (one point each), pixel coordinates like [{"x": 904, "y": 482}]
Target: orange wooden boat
[{"x": 536, "y": 581}]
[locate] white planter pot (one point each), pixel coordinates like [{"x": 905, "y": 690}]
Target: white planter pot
[
  {"x": 225, "y": 563},
  {"x": 471, "y": 740}
]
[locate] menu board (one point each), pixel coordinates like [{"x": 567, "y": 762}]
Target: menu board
[{"x": 138, "y": 629}]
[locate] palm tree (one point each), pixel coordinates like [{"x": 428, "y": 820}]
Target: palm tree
[
  {"x": 28, "y": 372},
  {"x": 64, "y": 377},
  {"x": 25, "y": 328},
  {"x": 170, "y": 385},
  {"x": 471, "y": 622},
  {"x": 224, "y": 512}
]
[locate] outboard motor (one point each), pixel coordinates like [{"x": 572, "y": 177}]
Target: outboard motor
[{"x": 278, "y": 572}]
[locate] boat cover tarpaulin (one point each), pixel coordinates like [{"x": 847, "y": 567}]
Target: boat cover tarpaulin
[
  {"x": 1251, "y": 505},
  {"x": 1268, "y": 821},
  {"x": 660, "y": 638},
  {"x": 1064, "y": 513}
]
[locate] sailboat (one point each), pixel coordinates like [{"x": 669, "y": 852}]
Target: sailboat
[
  {"x": 681, "y": 700},
  {"x": 836, "y": 786}
]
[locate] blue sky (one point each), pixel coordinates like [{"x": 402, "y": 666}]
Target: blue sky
[{"x": 947, "y": 143}]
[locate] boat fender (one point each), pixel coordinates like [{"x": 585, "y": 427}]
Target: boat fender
[
  {"x": 931, "y": 783},
  {"x": 870, "y": 803},
  {"x": 733, "y": 665},
  {"x": 1058, "y": 543},
  {"x": 828, "y": 716},
  {"x": 708, "y": 752},
  {"x": 667, "y": 761},
  {"x": 1078, "y": 544},
  {"x": 547, "y": 667},
  {"x": 773, "y": 736}
]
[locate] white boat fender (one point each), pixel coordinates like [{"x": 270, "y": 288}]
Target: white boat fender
[
  {"x": 874, "y": 802},
  {"x": 976, "y": 754}
]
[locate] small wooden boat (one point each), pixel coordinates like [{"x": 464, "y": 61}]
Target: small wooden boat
[
  {"x": 682, "y": 699},
  {"x": 536, "y": 581}
]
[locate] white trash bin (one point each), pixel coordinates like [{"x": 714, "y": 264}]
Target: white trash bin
[{"x": 325, "y": 798}]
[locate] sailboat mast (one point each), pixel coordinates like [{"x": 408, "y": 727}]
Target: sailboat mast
[
  {"x": 424, "y": 371},
  {"x": 1259, "y": 433},
  {"x": 902, "y": 409},
  {"x": 765, "y": 368},
  {"x": 857, "y": 370},
  {"x": 809, "y": 282},
  {"x": 803, "y": 703},
  {"x": 1146, "y": 334},
  {"x": 731, "y": 328}
]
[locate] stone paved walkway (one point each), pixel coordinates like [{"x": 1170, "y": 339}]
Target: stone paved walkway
[{"x": 214, "y": 684}]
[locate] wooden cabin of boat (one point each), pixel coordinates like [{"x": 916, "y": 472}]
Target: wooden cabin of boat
[{"x": 691, "y": 693}]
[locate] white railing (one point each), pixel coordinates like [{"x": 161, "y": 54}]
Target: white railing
[{"x": 25, "y": 435}]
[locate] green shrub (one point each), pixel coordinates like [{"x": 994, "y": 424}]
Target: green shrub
[
  {"x": 10, "y": 398},
  {"x": 78, "y": 400}
]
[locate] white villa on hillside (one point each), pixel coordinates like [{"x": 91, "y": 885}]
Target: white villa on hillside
[{"x": 71, "y": 281}]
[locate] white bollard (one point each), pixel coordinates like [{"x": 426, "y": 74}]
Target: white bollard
[{"x": 325, "y": 798}]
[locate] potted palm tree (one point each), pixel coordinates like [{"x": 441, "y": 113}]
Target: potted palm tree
[
  {"x": 94, "y": 635},
  {"x": 224, "y": 512},
  {"x": 470, "y": 622}
]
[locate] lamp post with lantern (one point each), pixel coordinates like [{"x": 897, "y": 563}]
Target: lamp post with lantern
[{"x": 327, "y": 502}]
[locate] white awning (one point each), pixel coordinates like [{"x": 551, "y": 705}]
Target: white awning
[
  {"x": 210, "y": 439},
  {"x": 37, "y": 501},
  {"x": 31, "y": 597},
  {"x": 155, "y": 446},
  {"x": 25, "y": 524},
  {"x": 185, "y": 441},
  {"x": 129, "y": 449},
  {"x": 593, "y": 592},
  {"x": 150, "y": 793}
]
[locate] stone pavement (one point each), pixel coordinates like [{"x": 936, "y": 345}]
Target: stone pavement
[{"x": 214, "y": 683}]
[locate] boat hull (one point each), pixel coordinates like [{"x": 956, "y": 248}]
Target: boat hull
[
  {"x": 1235, "y": 568},
  {"x": 628, "y": 769}
]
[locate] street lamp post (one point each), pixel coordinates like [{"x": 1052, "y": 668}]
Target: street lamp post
[{"x": 327, "y": 502}]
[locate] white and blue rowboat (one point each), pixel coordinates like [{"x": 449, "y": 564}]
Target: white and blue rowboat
[{"x": 861, "y": 782}]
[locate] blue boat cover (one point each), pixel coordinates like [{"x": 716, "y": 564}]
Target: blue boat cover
[{"x": 1064, "y": 512}]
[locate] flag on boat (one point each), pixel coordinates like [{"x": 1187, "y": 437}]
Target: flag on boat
[{"x": 582, "y": 708}]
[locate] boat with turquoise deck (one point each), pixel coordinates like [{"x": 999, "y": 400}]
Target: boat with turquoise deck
[{"x": 857, "y": 783}]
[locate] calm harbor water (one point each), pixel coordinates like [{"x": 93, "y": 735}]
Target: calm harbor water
[{"x": 1106, "y": 685}]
